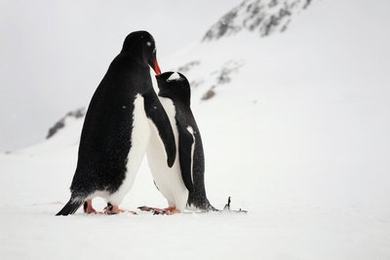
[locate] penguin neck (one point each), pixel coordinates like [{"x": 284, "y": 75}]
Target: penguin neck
[
  {"x": 135, "y": 57},
  {"x": 134, "y": 68},
  {"x": 175, "y": 98}
]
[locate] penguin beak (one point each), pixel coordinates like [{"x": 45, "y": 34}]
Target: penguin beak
[{"x": 156, "y": 67}]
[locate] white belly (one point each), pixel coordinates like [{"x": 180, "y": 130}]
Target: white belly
[
  {"x": 139, "y": 142},
  {"x": 168, "y": 180}
]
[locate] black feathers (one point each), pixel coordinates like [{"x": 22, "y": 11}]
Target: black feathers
[
  {"x": 70, "y": 208},
  {"x": 106, "y": 138},
  {"x": 155, "y": 111},
  {"x": 186, "y": 153},
  {"x": 191, "y": 154}
]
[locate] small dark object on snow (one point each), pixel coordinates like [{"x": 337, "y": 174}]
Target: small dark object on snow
[{"x": 227, "y": 207}]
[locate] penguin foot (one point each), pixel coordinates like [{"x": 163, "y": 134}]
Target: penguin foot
[
  {"x": 171, "y": 211},
  {"x": 155, "y": 211},
  {"x": 112, "y": 209},
  {"x": 158, "y": 211},
  {"x": 88, "y": 209}
]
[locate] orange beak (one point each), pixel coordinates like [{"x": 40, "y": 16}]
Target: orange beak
[{"x": 156, "y": 67}]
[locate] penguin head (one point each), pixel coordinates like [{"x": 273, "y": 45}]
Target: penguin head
[
  {"x": 175, "y": 86},
  {"x": 141, "y": 46}
]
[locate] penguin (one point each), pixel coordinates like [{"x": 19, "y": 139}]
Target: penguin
[
  {"x": 116, "y": 129},
  {"x": 183, "y": 184}
]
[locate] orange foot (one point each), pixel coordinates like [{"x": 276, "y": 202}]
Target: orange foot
[
  {"x": 88, "y": 207},
  {"x": 112, "y": 209},
  {"x": 171, "y": 210}
]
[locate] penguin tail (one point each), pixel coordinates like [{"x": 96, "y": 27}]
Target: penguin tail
[
  {"x": 200, "y": 201},
  {"x": 71, "y": 207},
  {"x": 212, "y": 208},
  {"x": 207, "y": 206}
]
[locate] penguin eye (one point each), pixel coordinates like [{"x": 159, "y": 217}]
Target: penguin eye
[{"x": 149, "y": 44}]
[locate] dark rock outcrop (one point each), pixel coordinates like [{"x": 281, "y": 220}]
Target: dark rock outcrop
[
  {"x": 78, "y": 113},
  {"x": 262, "y": 16}
]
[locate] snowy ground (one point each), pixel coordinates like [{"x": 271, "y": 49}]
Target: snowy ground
[
  {"x": 289, "y": 216},
  {"x": 298, "y": 137}
]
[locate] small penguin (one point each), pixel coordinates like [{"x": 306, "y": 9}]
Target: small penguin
[
  {"x": 183, "y": 184},
  {"x": 116, "y": 129}
]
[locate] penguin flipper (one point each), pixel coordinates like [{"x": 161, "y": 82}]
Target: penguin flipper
[
  {"x": 186, "y": 151},
  {"x": 156, "y": 113}
]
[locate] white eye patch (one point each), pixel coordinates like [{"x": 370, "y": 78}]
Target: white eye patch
[
  {"x": 149, "y": 44},
  {"x": 174, "y": 76}
]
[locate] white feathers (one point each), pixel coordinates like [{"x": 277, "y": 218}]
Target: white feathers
[
  {"x": 191, "y": 131},
  {"x": 140, "y": 133},
  {"x": 174, "y": 76},
  {"x": 168, "y": 180}
]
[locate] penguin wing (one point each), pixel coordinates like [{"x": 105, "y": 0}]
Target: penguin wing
[
  {"x": 156, "y": 113},
  {"x": 186, "y": 152}
]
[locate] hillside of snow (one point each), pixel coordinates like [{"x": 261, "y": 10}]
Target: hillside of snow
[
  {"x": 262, "y": 16},
  {"x": 295, "y": 127}
]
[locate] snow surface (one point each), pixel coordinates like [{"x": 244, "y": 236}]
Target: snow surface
[{"x": 297, "y": 133}]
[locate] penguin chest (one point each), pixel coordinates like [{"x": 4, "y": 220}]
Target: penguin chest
[
  {"x": 168, "y": 180},
  {"x": 140, "y": 136}
]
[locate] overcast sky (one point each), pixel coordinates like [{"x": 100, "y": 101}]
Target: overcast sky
[{"x": 54, "y": 53}]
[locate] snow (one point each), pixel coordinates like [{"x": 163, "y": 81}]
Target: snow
[{"x": 297, "y": 134}]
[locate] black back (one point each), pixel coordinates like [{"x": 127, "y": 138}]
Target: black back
[
  {"x": 179, "y": 91},
  {"x": 106, "y": 135}
]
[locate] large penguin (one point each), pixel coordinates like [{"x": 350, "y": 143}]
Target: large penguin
[
  {"x": 183, "y": 184},
  {"x": 116, "y": 129}
]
